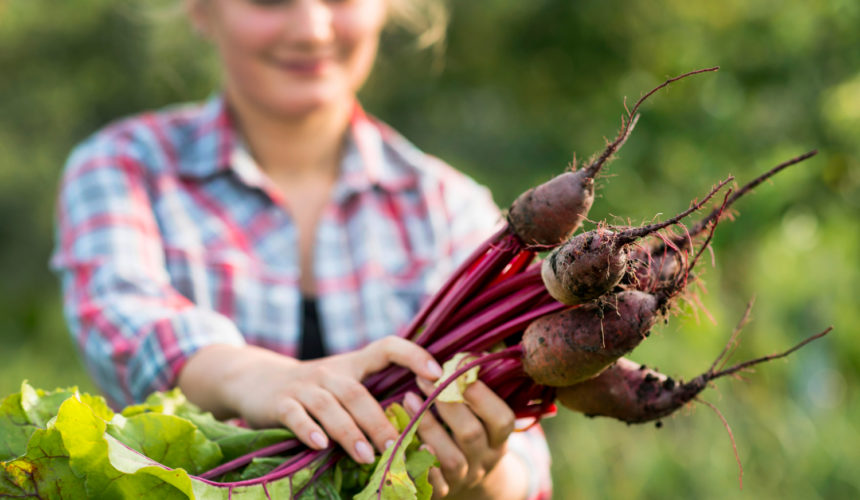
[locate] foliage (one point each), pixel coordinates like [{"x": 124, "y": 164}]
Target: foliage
[
  {"x": 66, "y": 444},
  {"x": 522, "y": 87}
]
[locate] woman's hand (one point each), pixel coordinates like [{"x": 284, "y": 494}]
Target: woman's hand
[
  {"x": 473, "y": 445},
  {"x": 314, "y": 399}
]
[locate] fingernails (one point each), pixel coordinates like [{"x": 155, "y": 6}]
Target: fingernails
[
  {"x": 364, "y": 452},
  {"x": 423, "y": 383},
  {"x": 318, "y": 439},
  {"x": 389, "y": 443},
  {"x": 434, "y": 369},
  {"x": 412, "y": 402}
]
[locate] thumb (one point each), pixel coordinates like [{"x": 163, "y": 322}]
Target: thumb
[{"x": 395, "y": 350}]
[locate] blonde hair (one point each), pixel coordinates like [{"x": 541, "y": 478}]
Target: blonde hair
[{"x": 427, "y": 20}]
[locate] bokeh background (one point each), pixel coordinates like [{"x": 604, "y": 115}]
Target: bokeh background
[{"x": 520, "y": 89}]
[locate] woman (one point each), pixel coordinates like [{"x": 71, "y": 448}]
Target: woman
[{"x": 189, "y": 240}]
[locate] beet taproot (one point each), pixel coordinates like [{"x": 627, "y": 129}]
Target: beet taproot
[
  {"x": 593, "y": 263},
  {"x": 569, "y": 346}
]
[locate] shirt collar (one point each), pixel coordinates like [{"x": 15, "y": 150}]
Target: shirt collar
[
  {"x": 375, "y": 156},
  {"x": 212, "y": 141}
]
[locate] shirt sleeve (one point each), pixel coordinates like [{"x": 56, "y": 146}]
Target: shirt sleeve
[
  {"x": 134, "y": 330},
  {"x": 474, "y": 215},
  {"x": 532, "y": 449}
]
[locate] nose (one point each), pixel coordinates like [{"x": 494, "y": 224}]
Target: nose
[{"x": 311, "y": 22}]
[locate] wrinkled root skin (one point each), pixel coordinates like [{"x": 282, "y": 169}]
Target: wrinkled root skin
[
  {"x": 630, "y": 392},
  {"x": 586, "y": 267},
  {"x": 574, "y": 345},
  {"x": 547, "y": 215}
]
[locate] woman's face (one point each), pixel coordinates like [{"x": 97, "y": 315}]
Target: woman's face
[{"x": 292, "y": 57}]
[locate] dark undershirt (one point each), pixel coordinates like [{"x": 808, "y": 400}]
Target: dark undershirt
[{"x": 312, "y": 346}]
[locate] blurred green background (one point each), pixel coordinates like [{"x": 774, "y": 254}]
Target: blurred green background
[{"x": 524, "y": 85}]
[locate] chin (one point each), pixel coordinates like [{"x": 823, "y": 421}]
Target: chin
[{"x": 300, "y": 102}]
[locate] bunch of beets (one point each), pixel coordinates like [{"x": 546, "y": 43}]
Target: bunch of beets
[{"x": 555, "y": 329}]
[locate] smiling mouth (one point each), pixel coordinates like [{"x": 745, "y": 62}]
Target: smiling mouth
[{"x": 305, "y": 67}]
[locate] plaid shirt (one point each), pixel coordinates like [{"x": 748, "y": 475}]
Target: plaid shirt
[{"x": 170, "y": 238}]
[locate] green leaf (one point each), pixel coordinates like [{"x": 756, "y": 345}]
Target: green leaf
[
  {"x": 353, "y": 476},
  {"x": 260, "y": 466},
  {"x": 41, "y": 406},
  {"x": 396, "y": 483},
  {"x": 233, "y": 440},
  {"x": 44, "y": 472},
  {"x": 453, "y": 393},
  {"x": 79, "y": 454},
  {"x": 325, "y": 487},
  {"x": 16, "y": 479},
  {"x": 167, "y": 439},
  {"x": 15, "y": 428},
  {"x": 98, "y": 405},
  {"x": 418, "y": 464},
  {"x": 111, "y": 469},
  {"x": 397, "y": 416}
]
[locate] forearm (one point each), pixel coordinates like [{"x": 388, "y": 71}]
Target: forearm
[{"x": 216, "y": 376}]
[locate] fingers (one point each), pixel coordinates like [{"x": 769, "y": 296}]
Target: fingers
[
  {"x": 364, "y": 409},
  {"x": 398, "y": 351},
  {"x": 292, "y": 415},
  {"x": 474, "y": 439},
  {"x": 298, "y": 414},
  {"x": 495, "y": 416},
  {"x": 452, "y": 461},
  {"x": 498, "y": 418},
  {"x": 469, "y": 435}
]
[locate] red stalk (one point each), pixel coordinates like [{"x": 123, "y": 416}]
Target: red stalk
[
  {"x": 495, "y": 260},
  {"x": 503, "y": 331},
  {"x": 474, "y": 257},
  {"x": 512, "y": 285},
  {"x": 282, "y": 447}
]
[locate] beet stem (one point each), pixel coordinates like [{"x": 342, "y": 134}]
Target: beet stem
[
  {"x": 329, "y": 463},
  {"x": 488, "y": 318},
  {"x": 471, "y": 331},
  {"x": 496, "y": 258},
  {"x": 514, "y": 284},
  {"x": 455, "y": 276},
  {"x": 274, "y": 449},
  {"x": 488, "y": 339}
]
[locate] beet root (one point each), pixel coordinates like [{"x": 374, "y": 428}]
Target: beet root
[
  {"x": 632, "y": 393},
  {"x": 593, "y": 263},
  {"x": 546, "y": 215},
  {"x": 570, "y": 346},
  {"x": 629, "y": 392},
  {"x": 586, "y": 267},
  {"x": 650, "y": 273}
]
